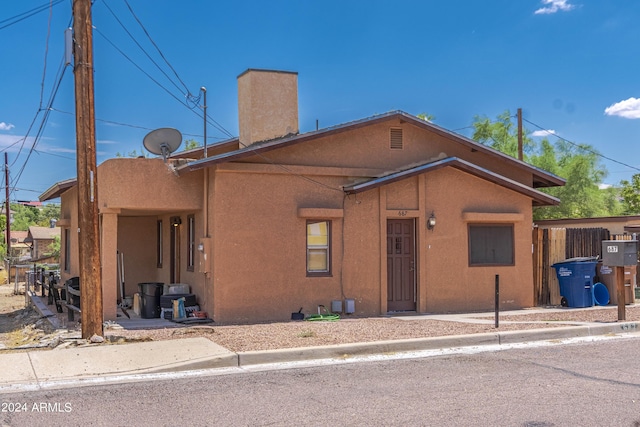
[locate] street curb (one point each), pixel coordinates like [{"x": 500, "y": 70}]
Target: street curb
[
  {"x": 345, "y": 351},
  {"x": 614, "y": 328},
  {"x": 528, "y": 335}
]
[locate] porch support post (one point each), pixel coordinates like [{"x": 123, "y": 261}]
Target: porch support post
[
  {"x": 382, "y": 215},
  {"x": 109, "y": 256}
]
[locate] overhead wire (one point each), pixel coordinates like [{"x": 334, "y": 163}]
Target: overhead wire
[
  {"x": 134, "y": 126},
  {"x": 191, "y": 101},
  {"x": 213, "y": 123},
  {"x": 45, "y": 118},
  {"x": 46, "y": 54},
  {"x": 28, "y": 14},
  {"x": 583, "y": 147},
  {"x": 156, "y": 46},
  {"x": 41, "y": 86},
  {"x": 140, "y": 46},
  {"x": 188, "y": 96}
]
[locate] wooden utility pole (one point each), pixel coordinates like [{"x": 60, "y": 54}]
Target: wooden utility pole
[
  {"x": 89, "y": 237},
  {"x": 8, "y": 209},
  {"x": 520, "y": 150}
]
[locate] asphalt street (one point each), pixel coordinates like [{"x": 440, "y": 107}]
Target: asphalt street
[{"x": 588, "y": 384}]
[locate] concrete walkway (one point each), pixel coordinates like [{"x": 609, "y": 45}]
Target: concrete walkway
[{"x": 39, "y": 368}]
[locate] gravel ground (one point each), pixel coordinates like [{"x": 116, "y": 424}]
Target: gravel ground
[
  {"x": 24, "y": 327},
  {"x": 271, "y": 336}
]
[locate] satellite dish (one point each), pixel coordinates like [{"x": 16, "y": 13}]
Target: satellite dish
[{"x": 163, "y": 141}]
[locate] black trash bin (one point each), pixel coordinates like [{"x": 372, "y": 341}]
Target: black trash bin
[{"x": 150, "y": 293}]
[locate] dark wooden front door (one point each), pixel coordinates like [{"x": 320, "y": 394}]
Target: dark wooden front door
[{"x": 401, "y": 265}]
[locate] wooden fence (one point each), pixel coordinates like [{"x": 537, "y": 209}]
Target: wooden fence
[{"x": 557, "y": 244}]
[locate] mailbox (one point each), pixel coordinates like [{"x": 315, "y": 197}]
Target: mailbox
[{"x": 619, "y": 253}]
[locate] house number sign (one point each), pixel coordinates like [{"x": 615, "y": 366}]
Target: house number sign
[
  {"x": 612, "y": 249},
  {"x": 402, "y": 213}
]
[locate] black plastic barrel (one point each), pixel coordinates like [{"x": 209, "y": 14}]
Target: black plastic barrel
[
  {"x": 73, "y": 283},
  {"x": 150, "y": 293}
]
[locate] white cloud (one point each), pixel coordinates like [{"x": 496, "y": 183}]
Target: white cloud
[
  {"x": 12, "y": 143},
  {"x": 629, "y": 109},
  {"x": 553, "y": 6},
  {"x": 543, "y": 132},
  {"x": 6, "y": 126},
  {"x": 59, "y": 150}
]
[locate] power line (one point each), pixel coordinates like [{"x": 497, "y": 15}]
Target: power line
[
  {"x": 46, "y": 54},
  {"x": 189, "y": 98},
  {"x": 45, "y": 118},
  {"x": 111, "y": 122},
  {"x": 142, "y": 48},
  {"x": 21, "y": 17},
  {"x": 212, "y": 122},
  {"x": 584, "y": 148},
  {"x": 54, "y": 155},
  {"x": 156, "y": 46}
]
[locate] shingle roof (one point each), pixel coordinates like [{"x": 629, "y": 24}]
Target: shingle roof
[{"x": 42, "y": 233}]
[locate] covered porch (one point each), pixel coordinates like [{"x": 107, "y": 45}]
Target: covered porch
[{"x": 147, "y": 231}]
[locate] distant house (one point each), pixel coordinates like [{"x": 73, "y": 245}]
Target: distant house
[
  {"x": 19, "y": 249},
  {"x": 40, "y": 239},
  {"x": 386, "y": 214}
]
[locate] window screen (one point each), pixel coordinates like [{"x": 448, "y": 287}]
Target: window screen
[{"x": 491, "y": 245}]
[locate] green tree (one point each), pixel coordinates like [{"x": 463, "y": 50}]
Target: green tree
[
  {"x": 54, "y": 248},
  {"x": 579, "y": 164},
  {"x": 426, "y": 117},
  {"x": 47, "y": 213},
  {"x": 630, "y": 193},
  {"x": 581, "y": 196},
  {"x": 500, "y": 134},
  {"x": 24, "y": 216},
  {"x": 190, "y": 144},
  {"x": 133, "y": 154}
]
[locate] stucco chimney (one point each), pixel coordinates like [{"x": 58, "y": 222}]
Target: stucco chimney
[{"x": 267, "y": 105}]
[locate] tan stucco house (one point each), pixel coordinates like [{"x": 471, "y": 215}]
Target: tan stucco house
[
  {"x": 40, "y": 239},
  {"x": 391, "y": 212}
]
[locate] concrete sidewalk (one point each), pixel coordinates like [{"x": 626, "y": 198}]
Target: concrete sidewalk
[
  {"x": 98, "y": 361},
  {"x": 39, "y": 368}
]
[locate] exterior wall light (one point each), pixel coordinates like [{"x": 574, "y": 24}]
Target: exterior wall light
[{"x": 431, "y": 221}]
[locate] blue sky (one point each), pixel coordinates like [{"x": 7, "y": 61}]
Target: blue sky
[{"x": 571, "y": 65}]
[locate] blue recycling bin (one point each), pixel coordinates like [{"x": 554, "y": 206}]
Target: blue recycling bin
[{"x": 575, "y": 276}]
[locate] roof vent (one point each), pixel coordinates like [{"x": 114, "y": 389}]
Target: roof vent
[{"x": 395, "y": 138}]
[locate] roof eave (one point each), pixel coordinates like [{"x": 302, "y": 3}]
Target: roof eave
[
  {"x": 540, "y": 178},
  {"x": 538, "y": 198},
  {"x": 57, "y": 189}
]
